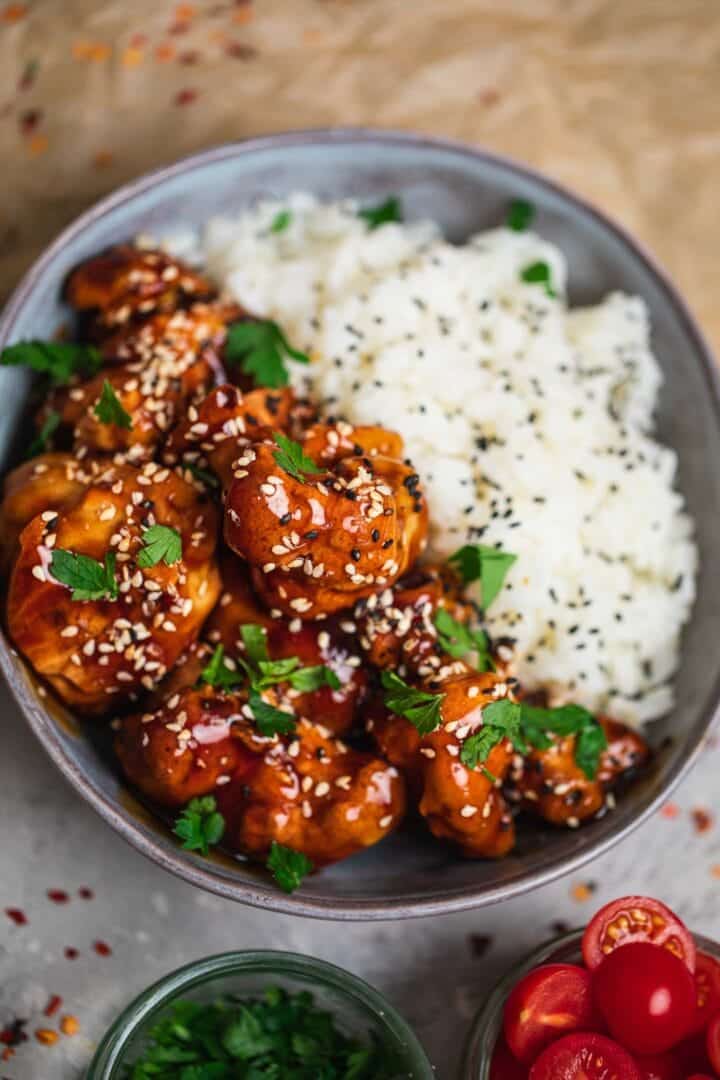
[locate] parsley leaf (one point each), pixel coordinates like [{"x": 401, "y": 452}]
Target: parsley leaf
[
  {"x": 255, "y": 641},
  {"x": 49, "y": 427},
  {"x": 160, "y": 543},
  {"x": 382, "y": 213},
  {"x": 203, "y": 475},
  {"x": 308, "y": 679},
  {"x": 281, "y": 221},
  {"x": 58, "y": 359},
  {"x": 88, "y": 578},
  {"x": 200, "y": 825},
  {"x": 217, "y": 673},
  {"x": 417, "y": 706},
  {"x": 539, "y": 273},
  {"x": 269, "y": 719},
  {"x": 109, "y": 410},
  {"x": 288, "y": 867},
  {"x": 520, "y": 215},
  {"x": 292, "y": 460},
  {"x": 457, "y": 639},
  {"x": 501, "y": 719},
  {"x": 488, "y": 564},
  {"x": 260, "y": 348}
]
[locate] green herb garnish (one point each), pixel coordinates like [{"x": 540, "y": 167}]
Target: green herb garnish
[
  {"x": 109, "y": 409},
  {"x": 200, "y": 825},
  {"x": 58, "y": 359},
  {"x": 520, "y": 215},
  {"x": 457, "y": 639},
  {"x": 489, "y": 565},
  {"x": 217, "y": 673},
  {"x": 269, "y": 719},
  {"x": 48, "y": 429},
  {"x": 272, "y": 1035},
  {"x": 527, "y": 725},
  {"x": 288, "y": 867},
  {"x": 203, "y": 475},
  {"x": 88, "y": 578},
  {"x": 417, "y": 706},
  {"x": 160, "y": 543},
  {"x": 382, "y": 213},
  {"x": 292, "y": 460},
  {"x": 261, "y": 348},
  {"x": 539, "y": 273},
  {"x": 281, "y": 221}
]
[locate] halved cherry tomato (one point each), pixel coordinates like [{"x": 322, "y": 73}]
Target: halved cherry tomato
[
  {"x": 712, "y": 1043},
  {"x": 660, "y": 1067},
  {"x": 647, "y": 996},
  {"x": 585, "y": 1056},
  {"x": 631, "y": 919},
  {"x": 504, "y": 1066},
  {"x": 549, "y": 1002},
  {"x": 707, "y": 987}
]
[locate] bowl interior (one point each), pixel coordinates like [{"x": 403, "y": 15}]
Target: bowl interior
[
  {"x": 359, "y": 1010},
  {"x": 465, "y": 191}
]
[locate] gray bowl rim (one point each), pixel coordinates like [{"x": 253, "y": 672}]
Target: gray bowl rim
[{"x": 266, "y": 895}]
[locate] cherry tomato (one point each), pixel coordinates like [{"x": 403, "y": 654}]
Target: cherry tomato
[
  {"x": 707, "y": 988},
  {"x": 700, "y": 1076},
  {"x": 549, "y": 1002},
  {"x": 585, "y": 1056},
  {"x": 712, "y": 1043},
  {"x": 631, "y": 919},
  {"x": 660, "y": 1067},
  {"x": 647, "y": 996},
  {"x": 692, "y": 1055},
  {"x": 504, "y": 1066}
]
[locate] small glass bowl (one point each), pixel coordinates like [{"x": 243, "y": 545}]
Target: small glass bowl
[
  {"x": 488, "y": 1022},
  {"x": 358, "y": 1009}
]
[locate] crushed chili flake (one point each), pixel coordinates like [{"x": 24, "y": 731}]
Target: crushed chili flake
[
  {"x": 238, "y": 51},
  {"x": 670, "y": 811},
  {"x": 85, "y": 893},
  {"x": 102, "y": 948},
  {"x": 53, "y": 1005},
  {"x": 16, "y": 915},
  {"x": 185, "y": 97},
  {"x": 29, "y": 121},
  {"x": 702, "y": 820},
  {"x": 46, "y": 1036},
  {"x": 14, "y": 1033},
  {"x": 583, "y": 891},
  {"x": 58, "y": 896},
  {"x": 69, "y": 1025},
  {"x": 71, "y": 953}
]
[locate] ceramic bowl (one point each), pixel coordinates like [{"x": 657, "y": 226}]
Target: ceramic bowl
[
  {"x": 465, "y": 190},
  {"x": 358, "y": 1008}
]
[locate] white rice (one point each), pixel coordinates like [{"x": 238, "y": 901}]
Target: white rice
[{"x": 529, "y": 424}]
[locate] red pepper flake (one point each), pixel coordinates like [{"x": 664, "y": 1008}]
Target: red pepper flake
[
  {"x": 178, "y": 28},
  {"x": 14, "y": 1033},
  {"x": 702, "y": 820},
  {"x": 13, "y": 12},
  {"x": 670, "y": 811},
  {"x": 189, "y": 57},
  {"x": 138, "y": 40},
  {"x": 488, "y": 97},
  {"x": 85, "y": 893},
  {"x": 29, "y": 121},
  {"x": 53, "y": 1005},
  {"x": 70, "y": 953},
  {"x": 102, "y": 948},
  {"x": 238, "y": 51},
  {"x": 58, "y": 896},
  {"x": 185, "y": 97},
  {"x": 16, "y": 915}
]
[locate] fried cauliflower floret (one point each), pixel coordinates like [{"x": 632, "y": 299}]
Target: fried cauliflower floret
[
  {"x": 306, "y": 790},
  {"x": 317, "y": 542},
  {"x": 551, "y": 784},
  {"x": 98, "y": 652},
  {"x": 126, "y": 283},
  {"x": 328, "y": 645},
  {"x": 461, "y": 804},
  {"x": 216, "y": 432}
]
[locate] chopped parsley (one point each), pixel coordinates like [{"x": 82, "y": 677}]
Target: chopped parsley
[
  {"x": 272, "y": 1035},
  {"x": 160, "y": 544},
  {"x": 382, "y": 213},
  {"x": 539, "y": 273},
  {"x": 269, "y": 719},
  {"x": 293, "y": 461},
  {"x": 46, "y": 432},
  {"x": 457, "y": 640},
  {"x": 520, "y": 215},
  {"x": 281, "y": 221},
  {"x": 60, "y": 360},
  {"x": 527, "y": 725},
  {"x": 261, "y": 349},
  {"x": 218, "y": 674},
  {"x": 288, "y": 867},
  {"x": 109, "y": 410},
  {"x": 88, "y": 578},
  {"x": 417, "y": 706},
  {"x": 489, "y": 565},
  {"x": 200, "y": 825}
]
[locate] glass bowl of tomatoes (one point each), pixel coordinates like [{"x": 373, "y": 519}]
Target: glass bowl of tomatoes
[{"x": 633, "y": 996}]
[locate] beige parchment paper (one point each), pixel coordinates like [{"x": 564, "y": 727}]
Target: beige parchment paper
[{"x": 619, "y": 99}]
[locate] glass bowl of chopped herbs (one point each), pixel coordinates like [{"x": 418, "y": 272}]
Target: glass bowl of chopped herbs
[{"x": 260, "y": 1016}]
